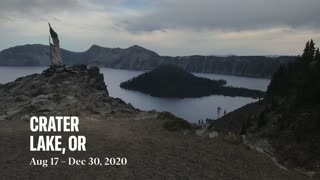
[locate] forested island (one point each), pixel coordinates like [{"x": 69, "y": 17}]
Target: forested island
[{"x": 173, "y": 81}]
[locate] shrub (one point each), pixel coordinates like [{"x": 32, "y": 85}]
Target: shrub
[{"x": 173, "y": 123}]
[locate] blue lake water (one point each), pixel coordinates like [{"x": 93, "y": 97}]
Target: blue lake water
[{"x": 191, "y": 109}]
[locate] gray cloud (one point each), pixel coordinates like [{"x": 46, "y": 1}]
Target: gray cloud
[
  {"x": 35, "y": 8},
  {"x": 231, "y": 15},
  {"x": 181, "y": 27}
]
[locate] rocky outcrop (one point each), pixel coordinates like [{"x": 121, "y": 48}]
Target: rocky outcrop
[
  {"x": 72, "y": 90},
  {"x": 139, "y": 58}
]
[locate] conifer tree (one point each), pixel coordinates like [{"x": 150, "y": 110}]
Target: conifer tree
[
  {"x": 317, "y": 55},
  {"x": 312, "y": 49},
  {"x": 309, "y": 51},
  {"x": 306, "y": 51}
]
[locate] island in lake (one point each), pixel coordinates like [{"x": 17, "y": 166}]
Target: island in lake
[{"x": 173, "y": 81}]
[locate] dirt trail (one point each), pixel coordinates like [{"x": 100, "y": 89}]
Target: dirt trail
[{"x": 152, "y": 153}]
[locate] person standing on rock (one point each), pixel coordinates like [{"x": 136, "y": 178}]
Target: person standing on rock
[{"x": 55, "y": 54}]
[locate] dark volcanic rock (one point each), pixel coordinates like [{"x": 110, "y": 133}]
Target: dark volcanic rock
[{"x": 59, "y": 90}]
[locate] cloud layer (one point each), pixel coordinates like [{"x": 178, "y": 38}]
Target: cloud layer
[
  {"x": 231, "y": 15},
  {"x": 180, "y": 27}
]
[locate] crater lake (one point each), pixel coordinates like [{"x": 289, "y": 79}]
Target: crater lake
[{"x": 191, "y": 109}]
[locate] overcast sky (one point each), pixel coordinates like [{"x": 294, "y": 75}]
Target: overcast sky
[{"x": 169, "y": 27}]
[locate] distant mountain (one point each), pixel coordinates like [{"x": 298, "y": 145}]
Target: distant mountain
[
  {"x": 139, "y": 58},
  {"x": 173, "y": 81}
]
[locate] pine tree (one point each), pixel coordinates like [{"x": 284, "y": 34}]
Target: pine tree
[
  {"x": 312, "y": 47},
  {"x": 309, "y": 51},
  {"x": 312, "y": 50},
  {"x": 317, "y": 55},
  {"x": 306, "y": 51}
]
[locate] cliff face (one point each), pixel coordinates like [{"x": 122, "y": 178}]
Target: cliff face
[
  {"x": 252, "y": 66},
  {"x": 139, "y": 58}
]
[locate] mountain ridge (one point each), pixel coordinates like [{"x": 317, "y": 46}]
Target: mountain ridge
[{"x": 140, "y": 58}]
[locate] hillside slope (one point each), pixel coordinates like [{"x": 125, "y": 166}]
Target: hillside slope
[
  {"x": 289, "y": 118},
  {"x": 114, "y": 129}
]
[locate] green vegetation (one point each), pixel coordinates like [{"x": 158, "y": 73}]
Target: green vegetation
[
  {"x": 294, "y": 100},
  {"x": 298, "y": 81},
  {"x": 173, "y": 123},
  {"x": 172, "y": 81}
]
